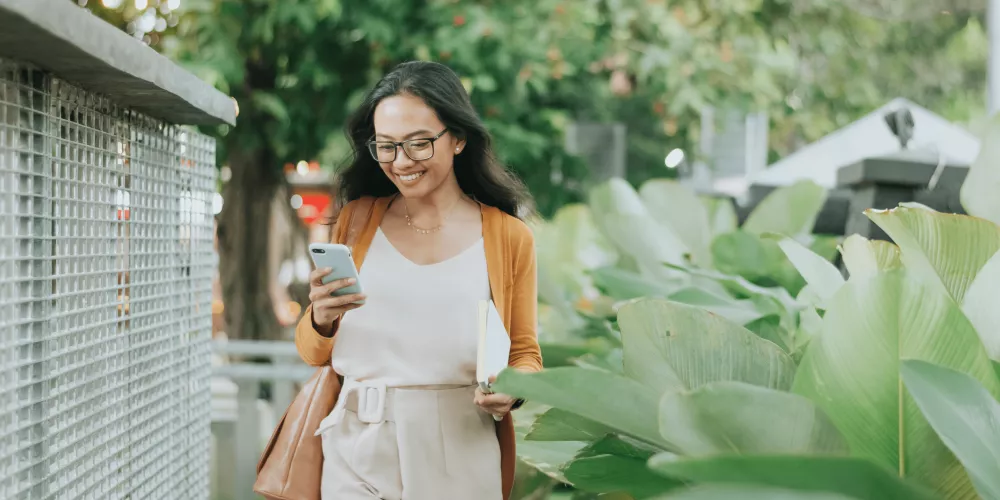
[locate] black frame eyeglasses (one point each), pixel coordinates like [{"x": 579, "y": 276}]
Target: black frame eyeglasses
[{"x": 415, "y": 149}]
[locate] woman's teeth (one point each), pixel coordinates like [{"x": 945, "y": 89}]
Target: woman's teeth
[{"x": 411, "y": 177}]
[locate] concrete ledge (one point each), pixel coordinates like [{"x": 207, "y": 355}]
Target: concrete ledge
[{"x": 82, "y": 49}]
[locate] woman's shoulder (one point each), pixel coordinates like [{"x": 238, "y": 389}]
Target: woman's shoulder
[
  {"x": 345, "y": 215},
  {"x": 363, "y": 202},
  {"x": 517, "y": 231}
]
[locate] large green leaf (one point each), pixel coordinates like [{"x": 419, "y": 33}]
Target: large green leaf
[
  {"x": 810, "y": 326},
  {"x": 981, "y": 185},
  {"x": 531, "y": 483},
  {"x": 560, "y": 425},
  {"x": 623, "y": 446},
  {"x": 557, "y": 325},
  {"x": 733, "y": 417},
  {"x": 769, "y": 328},
  {"x": 609, "y": 399},
  {"x": 739, "y": 311},
  {"x": 982, "y": 305},
  {"x": 951, "y": 248},
  {"x": 566, "y": 247},
  {"x": 678, "y": 207},
  {"x": 669, "y": 346},
  {"x": 742, "y": 288},
  {"x": 570, "y": 244},
  {"x": 614, "y": 473},
  {"x": 625, "y": 221},
  {"x": 864, "y": 257},
  {"x": 622, "y": 284},
  {"x": 759, "y": 260},
  {"x": 747, "y": 492},
  {"x": 824, "y": 245},
  {"x": 721, "y": 214},
  {"x": 958, "y": 252},
  {"x": 851, "y": 371},
  {"x": 612, "y": 361},
  {"x": 565, "y": 354},
  {"x": 853, "y": 477},
  {"x": 789, "y": 210},
  {"x": 549, "y": 457},
  {"x": 965, "y": 416},
  {"x": 822, "y": 276}
]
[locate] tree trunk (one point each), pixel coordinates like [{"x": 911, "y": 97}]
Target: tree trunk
[{"x": 243, "y": 246}]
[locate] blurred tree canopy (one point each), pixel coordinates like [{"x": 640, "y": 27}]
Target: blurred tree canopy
[{"x": 298, "y": 67}]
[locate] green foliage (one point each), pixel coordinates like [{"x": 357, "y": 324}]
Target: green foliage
[
  {"x": 669, "y": 346},
  {"x": 964, "y": 414},
  {"x": 297, "y": 67},
  {"x": 881, "y": 385},
  {"x": 853, "y": 478}
]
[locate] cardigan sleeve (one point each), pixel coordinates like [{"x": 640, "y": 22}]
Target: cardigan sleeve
[
  {"x": 525, "y": 354},
  {"x": 314, "y": 348}
]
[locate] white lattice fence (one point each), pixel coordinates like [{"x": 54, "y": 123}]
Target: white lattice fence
[{"x": 106, "y": 266}]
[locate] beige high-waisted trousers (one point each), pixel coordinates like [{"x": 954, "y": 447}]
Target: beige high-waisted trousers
[{"x": 409, "y": 444}]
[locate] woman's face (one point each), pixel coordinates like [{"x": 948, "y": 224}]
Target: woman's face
[{"x": 406, "y": 118}]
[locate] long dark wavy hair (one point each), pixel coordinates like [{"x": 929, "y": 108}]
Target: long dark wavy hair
[{"x": 478, "y": 170}]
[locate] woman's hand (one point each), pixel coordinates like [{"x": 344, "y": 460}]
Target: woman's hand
[
  {"x": 495, "y": 404},
  {"x": 326, "y": 308}
]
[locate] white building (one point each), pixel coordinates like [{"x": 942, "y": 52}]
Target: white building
[{"x": 870, "y": 137}]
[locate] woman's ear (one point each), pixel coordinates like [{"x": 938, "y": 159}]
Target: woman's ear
[{"x": 460, "y": 143}]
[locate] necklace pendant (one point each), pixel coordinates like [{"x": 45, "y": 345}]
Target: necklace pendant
[{"x": 419, "y": 230}]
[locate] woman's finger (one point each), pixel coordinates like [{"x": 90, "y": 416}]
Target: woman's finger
[
  {"x": 347, "y": 302},
  {"x": 498, "y": 398},
  {"x": 351, "y": 300},
  {"x": 490, "y": 407},
  {"x": 316, "y": 277},
  {"x": 335, "y": 285}
]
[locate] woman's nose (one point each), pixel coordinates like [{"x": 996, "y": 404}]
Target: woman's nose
[{"x": 402, "y": 160}]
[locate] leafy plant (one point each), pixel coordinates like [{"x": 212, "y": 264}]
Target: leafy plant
[
  {"x": 964, "y": 414},
  {"x": 627, "y": 244},
  {"x": 835, "y": 392}
]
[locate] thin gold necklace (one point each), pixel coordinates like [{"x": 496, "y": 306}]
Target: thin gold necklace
[{"x": 409, "y": 222}]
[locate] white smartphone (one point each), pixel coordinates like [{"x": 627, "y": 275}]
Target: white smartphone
[{"x": 337, "y": 257}]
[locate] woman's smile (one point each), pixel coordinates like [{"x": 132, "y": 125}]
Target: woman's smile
[{"x": 410, "y": 178}]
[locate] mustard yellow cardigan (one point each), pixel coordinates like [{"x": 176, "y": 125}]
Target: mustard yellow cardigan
[{"x": 511, "y": 266}]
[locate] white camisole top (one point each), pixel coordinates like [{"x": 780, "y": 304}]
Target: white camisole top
[{"x": 418, "y": 326}]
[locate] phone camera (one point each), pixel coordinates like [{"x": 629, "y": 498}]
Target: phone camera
[{"x": 318, "y": 250}]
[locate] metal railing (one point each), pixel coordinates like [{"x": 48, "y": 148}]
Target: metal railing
[{"x": 241, "y": 420}]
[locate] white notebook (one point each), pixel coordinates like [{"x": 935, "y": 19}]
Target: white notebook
[{"x": 494, "y": 345}]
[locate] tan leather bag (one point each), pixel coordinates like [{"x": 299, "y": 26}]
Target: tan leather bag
[{"x": 291, "y": 467}]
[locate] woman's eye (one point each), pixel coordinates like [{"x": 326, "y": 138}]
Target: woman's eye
[{"x": 420, "y": 144}]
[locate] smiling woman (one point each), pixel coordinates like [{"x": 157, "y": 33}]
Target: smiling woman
[
  {"x": 439, "y": 233},
  {"x": 421, "y": 100}
]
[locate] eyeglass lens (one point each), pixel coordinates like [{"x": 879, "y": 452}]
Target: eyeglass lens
[{"x": 416, "y": 150}]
